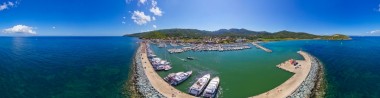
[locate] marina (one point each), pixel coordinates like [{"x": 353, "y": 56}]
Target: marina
[
  {"x": 193, "y": 87},
  {"x": 209, "y": 47},
  {"x": 155, "y": 80},
  {"x": 209, "y": 62},
  {"x": 173, "y": 79}
]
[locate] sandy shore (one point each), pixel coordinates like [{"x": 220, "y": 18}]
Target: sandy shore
[
  {"x": 156, "y": 81},
  {"x": 289, "y": 86}
]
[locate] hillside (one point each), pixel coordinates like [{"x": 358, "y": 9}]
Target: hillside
[{"x": 232, "y": 33}]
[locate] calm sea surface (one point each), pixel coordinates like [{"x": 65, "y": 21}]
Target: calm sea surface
[
  {"x": 98, "y": 66},
  {"x": 351, "y": 66},
  {"x": 64, "y": 67}
]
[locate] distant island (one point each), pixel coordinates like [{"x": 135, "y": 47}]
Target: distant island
[{"x": 231, "y": 35}]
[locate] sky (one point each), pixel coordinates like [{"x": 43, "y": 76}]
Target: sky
[{"x": 119, "y": 17}]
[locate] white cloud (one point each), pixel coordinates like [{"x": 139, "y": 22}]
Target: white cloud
[
  {"x": 140, "y": 18},
  {"x": 23, "y": 29},
  {"x": 154, "y": 3},
  {"x": 6, "y": 5},
  {"x": 154, "y": 26},
  {"x": 374, "y": 32},
  {"x": 142, "y": 1},
  {"x": 153, "y": 18},
  {"x": 3, "y": 6},
  {"x": 156, "y": 11},
  {"x": 10, "y": 3}
]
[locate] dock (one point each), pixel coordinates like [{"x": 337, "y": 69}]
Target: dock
[
  {"x": 289, "y": 86},
  {"x": 261, "y": 47},
  {"x": 156, "y": 81}
]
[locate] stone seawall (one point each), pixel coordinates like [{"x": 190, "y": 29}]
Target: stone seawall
[
  {"x": 308, "y": 86},
  {"x": 142, "y": 84}
]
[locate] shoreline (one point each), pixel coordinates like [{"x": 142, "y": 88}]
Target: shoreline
[
  {"x": 319, "y": 90},
  {"x": 131, "y": 86}
]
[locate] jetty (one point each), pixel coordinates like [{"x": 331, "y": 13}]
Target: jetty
[
  {"x": 261, "y": 47},
  {"x": 301, "y": 70},
  {"x": 155, "y": 80}
]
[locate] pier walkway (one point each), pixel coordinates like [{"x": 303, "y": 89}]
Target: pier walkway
[
  {"x": 156, "y": 81},
  {"x": 290, "y": 85},
  {"x": 261, "y": 47}
]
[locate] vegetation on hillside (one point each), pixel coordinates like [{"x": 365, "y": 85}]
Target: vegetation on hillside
[{"x": 231, "y": 35}]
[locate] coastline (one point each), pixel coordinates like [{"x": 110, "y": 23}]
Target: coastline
[
  {"x": 319, "y": 90},
  {"x": 131, "y": 87}
]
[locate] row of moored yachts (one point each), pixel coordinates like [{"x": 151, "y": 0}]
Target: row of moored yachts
[
  {"x": 158, "y": 63},
  {"x": 202, "y": 87},
  {"x": 203, "y": 84}
]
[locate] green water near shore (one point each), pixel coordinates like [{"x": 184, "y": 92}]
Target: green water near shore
[{"x": 243, "y": 73}]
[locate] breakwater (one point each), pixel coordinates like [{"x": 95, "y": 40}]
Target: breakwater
[
  {"x": 312, "y": 85},
  {"x": 261, "y": 47},
  {"x": 141, "y": 82}
]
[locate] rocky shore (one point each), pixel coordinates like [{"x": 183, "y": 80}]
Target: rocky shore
[
  {"x": 140, "y": 83},
  {"x": 313, "y": 85}
]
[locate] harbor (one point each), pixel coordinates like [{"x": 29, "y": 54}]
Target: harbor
[
  {"x": 174, "y": 79},
  {"x": 209, "y": 47},
  {"x": 202, "y": 58}
]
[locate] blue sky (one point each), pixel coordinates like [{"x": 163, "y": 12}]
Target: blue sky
[{"x": 118, "y": 17}]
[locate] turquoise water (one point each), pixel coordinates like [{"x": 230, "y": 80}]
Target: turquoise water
[
  {"x": 64, "y": 67},
  {"x": 242, "y": 73},
  {"x": 98, "y": 66},
  {"x": 351, "y": 68}
]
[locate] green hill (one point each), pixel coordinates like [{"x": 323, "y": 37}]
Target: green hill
[{"x": 232, "y": 34}]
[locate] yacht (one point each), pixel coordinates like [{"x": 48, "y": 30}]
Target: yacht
[
  {"x": 177, "y": 78},
  {"x": 197, "y": 88},
  {"x": 212, "y": 88}
]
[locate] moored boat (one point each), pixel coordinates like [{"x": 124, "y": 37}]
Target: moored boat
[
  {"x": 190, "y": 58},
  {"x": 212, "y": 87},
  {"x": 197, "y": 88},
  {"x": 177, "y": 78}
]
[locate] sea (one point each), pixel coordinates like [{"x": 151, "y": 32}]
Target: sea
[
  {"x": 65, "y": 67},
  {"x": 99, "y": 67}
]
